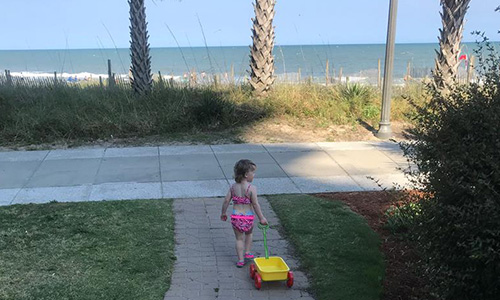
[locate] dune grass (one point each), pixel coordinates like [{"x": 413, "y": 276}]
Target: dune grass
[
  {"x": 335, "y": 246},
  {"x": 48, "y": 112},
  {"x": 92, "y": 250}
]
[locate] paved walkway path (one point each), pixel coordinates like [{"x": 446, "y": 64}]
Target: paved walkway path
[
  {"x": 205, "y": 268},
  {"x": 194, "y": 171}
]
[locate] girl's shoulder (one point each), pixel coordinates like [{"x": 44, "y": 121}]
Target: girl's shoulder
[
  {"x": 247, "y": 189},
  {"x": 252, "y": 188},
  {"x": 234, "y": 186}
]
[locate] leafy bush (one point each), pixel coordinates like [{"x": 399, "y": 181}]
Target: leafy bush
[
  {"x": 402, "y": 216},
  {"x": 354, "y": 92},
  {"x": 456, "y": 148},
  {"x": 361, "y": 101}
]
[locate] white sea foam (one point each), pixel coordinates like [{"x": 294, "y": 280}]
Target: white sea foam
[
  {"x": 80, "y": 76},
  {"x": 360, "y": 77}
]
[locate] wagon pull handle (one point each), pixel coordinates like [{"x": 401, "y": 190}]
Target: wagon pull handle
[{"x": 264, "y": 229}]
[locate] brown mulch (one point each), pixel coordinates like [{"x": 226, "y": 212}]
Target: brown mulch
[{"x": 401, "y": 282}]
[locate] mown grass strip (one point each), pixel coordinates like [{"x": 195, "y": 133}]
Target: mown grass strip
[
  {"x": 335, "y": 246},
  {"x": 93, "y": 250}
]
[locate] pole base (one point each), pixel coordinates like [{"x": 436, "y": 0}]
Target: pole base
[{"x": 384, "y": 132}]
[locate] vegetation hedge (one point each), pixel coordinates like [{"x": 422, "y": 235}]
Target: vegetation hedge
[
  {"x": 456, "y": 147},
  {"x": 45, "y": 112}
]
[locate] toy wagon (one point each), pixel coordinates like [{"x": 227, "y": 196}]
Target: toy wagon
[{"x": 268, "y": 268}]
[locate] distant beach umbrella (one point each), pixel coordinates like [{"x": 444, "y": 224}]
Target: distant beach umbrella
[{"x": 142, "y": 78}]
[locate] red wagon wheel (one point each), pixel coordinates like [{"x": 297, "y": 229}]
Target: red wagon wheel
[
  {"x": 289, "y": 282},
  {"x": 258, "y": 281},
  {"x": 252, "y": 271}
]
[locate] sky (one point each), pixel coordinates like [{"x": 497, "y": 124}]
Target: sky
[{"x": 80, "y": 24}]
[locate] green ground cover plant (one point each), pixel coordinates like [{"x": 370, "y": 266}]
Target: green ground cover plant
[
  {"x": 91, "y": 250},
  {"x": 335, "y": 246},
  {"x": 44, "y": 112},
  {"x": 402, "y": 215}
]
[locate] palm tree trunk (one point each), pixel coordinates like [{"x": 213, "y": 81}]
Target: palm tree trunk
[
  {"x": 142, "y": 79},
  {"x": 261, "y": 54},
  {"x": 447, "y": 61}
]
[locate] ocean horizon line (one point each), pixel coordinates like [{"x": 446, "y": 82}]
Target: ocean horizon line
[{"x": 237, "y": 46}]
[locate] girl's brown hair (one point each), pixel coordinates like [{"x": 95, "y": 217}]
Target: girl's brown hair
[{"x": 241, "y": 168}]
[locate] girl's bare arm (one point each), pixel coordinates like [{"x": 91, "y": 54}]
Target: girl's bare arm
[
  {"x": 225, "y": 204},
  {"x": 256, "y": 205}
]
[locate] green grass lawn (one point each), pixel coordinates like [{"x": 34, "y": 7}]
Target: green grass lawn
[
  {"x": 336, "y": 247},
  {"x": 92, "y": 250}
]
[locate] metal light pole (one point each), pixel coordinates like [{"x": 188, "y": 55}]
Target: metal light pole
[{"x": 385, "y": 131}]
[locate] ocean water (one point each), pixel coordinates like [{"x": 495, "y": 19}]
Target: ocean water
[{"x": 356, "y": 61}]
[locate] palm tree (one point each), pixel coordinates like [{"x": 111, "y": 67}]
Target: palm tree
[
  {"x": 142, "y": 79},
  {"x": 447, "y": 61},
  {"x": 261, "y": 54}
]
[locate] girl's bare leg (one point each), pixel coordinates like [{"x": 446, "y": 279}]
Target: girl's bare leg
[
  {"x": 239, "y": 244},
  {"x": 248, "y": 241}
]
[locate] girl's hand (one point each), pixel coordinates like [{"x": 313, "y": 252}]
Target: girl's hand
[
  {"x": 263, "y": 221},
  {"x": 223, "y": 217}
]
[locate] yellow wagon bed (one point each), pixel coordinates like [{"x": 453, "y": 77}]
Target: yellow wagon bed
[{"x": 269, "y": 268}]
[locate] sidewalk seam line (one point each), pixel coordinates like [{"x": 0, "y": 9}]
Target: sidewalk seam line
[
  {"x": 159, "y": 166},
  {"x": 24, "y": 185},
  {"x": 96, "y": 173},
  {"x": 399, "y": 167},
  {"x": 218, "y": 163},
  {"x": 350, "y": 176},
  {"x": 288, "y": 176}
]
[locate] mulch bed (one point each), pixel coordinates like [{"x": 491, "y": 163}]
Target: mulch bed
[{"x": 400, "y": 282}]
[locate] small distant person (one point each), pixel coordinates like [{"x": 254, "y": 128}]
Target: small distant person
[{"x": 245, "y": 206}]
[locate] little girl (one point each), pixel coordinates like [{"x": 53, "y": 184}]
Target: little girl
[{"x": 244, "y": 196}]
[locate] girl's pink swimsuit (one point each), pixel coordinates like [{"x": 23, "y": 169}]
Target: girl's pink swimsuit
[{"x": 242, "y": 222}]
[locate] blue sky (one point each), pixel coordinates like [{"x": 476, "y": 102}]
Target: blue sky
[{"x": 75, "y": 24}]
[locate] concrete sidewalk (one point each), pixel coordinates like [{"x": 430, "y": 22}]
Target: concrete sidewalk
[{"x": 195, "y": 171}]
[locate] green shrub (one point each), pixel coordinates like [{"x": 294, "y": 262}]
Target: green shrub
[
  {"x": 456, "y": 148},
  {"x": 359, "y": 97},
  {"x": 402, "y": 217}
]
